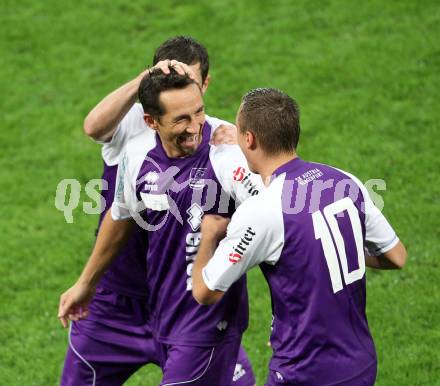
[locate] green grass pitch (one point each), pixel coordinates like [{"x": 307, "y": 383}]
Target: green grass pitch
[{"x": 366, "y": 76}]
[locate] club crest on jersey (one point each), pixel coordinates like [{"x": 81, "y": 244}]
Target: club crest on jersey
[
  {"x": 196, "y": 178},
  {"x": 243, "y": 177},
  {"x": 238, "y": 250},
  {"x": 150, "y": 180}
]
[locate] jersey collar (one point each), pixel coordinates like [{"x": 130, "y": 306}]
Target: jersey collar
[{"x": 289, "y": 166}]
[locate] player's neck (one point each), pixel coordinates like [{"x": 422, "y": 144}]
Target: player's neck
[{"x": 268, "y": 164}]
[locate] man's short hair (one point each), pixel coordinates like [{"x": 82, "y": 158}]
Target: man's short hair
[
  {"x": 184, "y": 49},
  {"x": 156, "y": 82},
  {"x": 273, "y": 117}
]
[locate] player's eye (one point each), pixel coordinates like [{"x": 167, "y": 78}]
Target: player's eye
[{"x": 179, "y": 122}]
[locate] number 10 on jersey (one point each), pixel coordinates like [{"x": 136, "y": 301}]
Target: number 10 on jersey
[{"x": 329, "y": 231}]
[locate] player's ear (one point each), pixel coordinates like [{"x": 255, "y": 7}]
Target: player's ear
[
  {"x": 251, "y": 140},
  {"x": 206, "y": 83},
  {"x": 150, "y": 121}
]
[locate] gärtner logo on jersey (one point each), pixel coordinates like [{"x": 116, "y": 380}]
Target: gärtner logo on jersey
[
  {"x": 238, "y": 250},
  {"x": 150, "y": 181},
  {"x": 243, "y": 177}
]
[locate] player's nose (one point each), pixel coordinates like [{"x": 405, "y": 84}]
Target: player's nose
[{"x": 194, "y": 128}]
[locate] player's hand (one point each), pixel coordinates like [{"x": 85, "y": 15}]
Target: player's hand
[
  {"x": 214, "y": 226},
  {"x": 74, "y": 303},
  {"x": 224, "y": 134},
  {"x": 179, "y": 67}
]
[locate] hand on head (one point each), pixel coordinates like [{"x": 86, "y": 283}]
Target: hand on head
[{"x": 179, "y": 67}]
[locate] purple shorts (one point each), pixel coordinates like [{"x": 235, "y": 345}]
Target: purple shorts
[
  {"x": 111, "y": 344},
  {"x": 115, "y": 340},
  {"x": 243, "y": 373},
  {"x": 367, "y": 378},
  {"x": 200, "y": 366}
]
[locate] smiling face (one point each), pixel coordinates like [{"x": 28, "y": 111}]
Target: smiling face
[{"x": 180, "y": 127}]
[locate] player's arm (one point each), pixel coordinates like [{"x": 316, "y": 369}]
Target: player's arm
[
  {"x": 103, "y": 120},
  {"x": 213, "y": 229},
  {"x": 395, "y": 258},
  {"x": 255, "y": 234},
  {"x": 224, "y": 132},
  {"x": 384, "y": 250},
  {"x": 233, "y": 173},
  {"x": 111, "y": 238}
]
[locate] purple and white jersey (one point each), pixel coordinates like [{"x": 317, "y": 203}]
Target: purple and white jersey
[
  {"x": 127, "y": 274},
  {"x": 172, "y": 194},
  {"x": 307, "y": 231}
]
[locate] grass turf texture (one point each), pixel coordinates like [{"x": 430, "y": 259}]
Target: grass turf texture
[{"x": 365, "y": 75}]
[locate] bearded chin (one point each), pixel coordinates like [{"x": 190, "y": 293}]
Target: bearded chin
[{"x": 189, "y": 151}]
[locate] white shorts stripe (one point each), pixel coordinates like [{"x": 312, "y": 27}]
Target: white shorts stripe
[
  {"x": 80, "y": 357},
  {"x": 195, "y": 379}
]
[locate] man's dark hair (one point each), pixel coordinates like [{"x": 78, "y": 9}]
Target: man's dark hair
[
  {"x": 273, "y": 117},
  {"x": 184, "y": 49},
  {"x": 156, "y": 82}
]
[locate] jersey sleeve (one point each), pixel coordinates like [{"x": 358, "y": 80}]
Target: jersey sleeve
[
  {"x": 216, "y": 122},
  {"x": 232, "y": 171},
  {"x": 130, "y": 126},
  {"x": 254, "y": 235},
  {"x": 125, "y": 203},
  {"x": 380, "y": 237}
]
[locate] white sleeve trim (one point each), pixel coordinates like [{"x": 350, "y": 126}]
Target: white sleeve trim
[
  {"x": 130, "y": 126},
  {"x": 232, "y": 171},
  {"x": 117, "y": 214},
  {"x": 210, "y": 285},
  {"x": 390, "y": 246},
  {"x": 255, "y": 235},
  {"x": 125, "y": 203},
  {"x": 378, "y": 232},
  {"x": 215, "y": 123}
]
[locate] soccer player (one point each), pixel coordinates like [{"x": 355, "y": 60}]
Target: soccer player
[
  {"x": 115, "y": 340},
  {"x": 307, "y": 231},
  {"x": 175, "y": 178}
]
